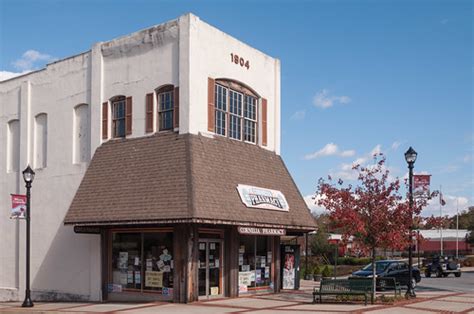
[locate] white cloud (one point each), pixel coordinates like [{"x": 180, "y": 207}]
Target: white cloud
[
  {"x": 32, "y": 59},
  {"x": 298, "y": 115},
  {"x": 5, "y": 75},
  {"x": 323, "y": 100},
  {"x": 330, "y": 149},
  {"x": 311, "y": 203},
  {"x": 449, "y": 209},
  {"x": 396, "y": 145},
  {"x": 348, "y": 153},
  {"x": 376, "y": 150}
]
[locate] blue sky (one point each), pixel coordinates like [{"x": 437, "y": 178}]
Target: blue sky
[{"x": 357, "y": 76}]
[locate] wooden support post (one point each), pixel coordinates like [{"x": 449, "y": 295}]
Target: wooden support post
[
  {"x": 232, "y": 262},
  {"x": 277, "y": 263}
]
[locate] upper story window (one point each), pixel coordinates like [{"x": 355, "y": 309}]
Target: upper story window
[
  {"x": 165, "y": 97},
  {"x": 235, "y": 114},
  {"x": 118, "y": 116}
]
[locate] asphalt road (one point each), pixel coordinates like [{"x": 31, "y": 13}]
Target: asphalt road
[{"x": 465, "y": 283}]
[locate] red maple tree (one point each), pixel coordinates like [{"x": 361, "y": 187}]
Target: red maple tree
[{"x": 374, "y": 212}]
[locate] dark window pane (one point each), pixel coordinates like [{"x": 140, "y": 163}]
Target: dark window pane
[{"x": 126, "y": 260}]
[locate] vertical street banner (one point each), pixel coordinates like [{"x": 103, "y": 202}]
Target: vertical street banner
[
  {"x": 421, "y": 186},
  {"x": 18, "y": 206}
]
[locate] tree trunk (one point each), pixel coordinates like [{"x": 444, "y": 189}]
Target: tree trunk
[{"x": 374, "y": 279}]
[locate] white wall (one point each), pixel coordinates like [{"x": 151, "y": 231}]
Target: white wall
[
  {"x": 209, "y": 53},
  {"x": 183, "y": 52},
  {"x": 44, "y": 103}
]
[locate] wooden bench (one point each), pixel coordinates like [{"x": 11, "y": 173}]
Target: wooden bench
[{"x": 343, "y": 287}]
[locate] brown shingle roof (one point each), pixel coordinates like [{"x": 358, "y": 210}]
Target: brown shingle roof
[{"x": 171, "y": 178}]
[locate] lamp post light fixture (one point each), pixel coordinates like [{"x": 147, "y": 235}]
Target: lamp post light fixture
[
  {"x": 410, "y": 157},
  {"x": 28, "y": 176}
]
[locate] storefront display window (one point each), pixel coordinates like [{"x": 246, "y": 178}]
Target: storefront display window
[
  {"x": 142, "y": 262},
  {"x": 255, "y": 259}
]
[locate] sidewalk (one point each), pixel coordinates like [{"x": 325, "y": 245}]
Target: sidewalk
[{"x": 286, "y": 302}]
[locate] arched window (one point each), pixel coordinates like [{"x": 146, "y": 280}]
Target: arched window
[
  {"x": 13, "y": 146},
  {"x": 166, "y": 104},
  {"x": 40, "y": 141},
  {"x": 81, "y": 134},
  {"x": 235, "y": 111}
]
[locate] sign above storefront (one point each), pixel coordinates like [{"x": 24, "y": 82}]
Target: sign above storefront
[
  {"x": 261, "y": 231},
  {"x": 262, "y": 198}
]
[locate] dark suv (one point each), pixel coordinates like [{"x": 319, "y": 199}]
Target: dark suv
[
  {"x": 391, "y": 268},
  {"x": 442, "y": 267}
]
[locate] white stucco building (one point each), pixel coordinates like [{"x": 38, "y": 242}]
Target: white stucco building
[{"x": 183, "y": 77}]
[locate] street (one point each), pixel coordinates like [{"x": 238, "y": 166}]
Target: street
[{"x": 465, "y": 283}]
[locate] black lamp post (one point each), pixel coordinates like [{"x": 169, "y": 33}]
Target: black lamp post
[
  {"x": 410, "y": 157},
  {"x": 28, "y": 176}
]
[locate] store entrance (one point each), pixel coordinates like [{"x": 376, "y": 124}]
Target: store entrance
[{"x": 211, "y": 268}]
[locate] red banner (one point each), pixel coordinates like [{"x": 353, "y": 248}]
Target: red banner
[
  {"x": 18, "y": 206},
  {"x": 421, "y": 185}
]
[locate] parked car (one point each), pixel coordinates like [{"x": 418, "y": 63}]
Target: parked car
[
  {"x": 442, "y": 267},
  {"x": 391, "y": 269}
]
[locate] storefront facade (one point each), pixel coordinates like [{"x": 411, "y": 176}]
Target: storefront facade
[{"x": 160, "y": 151}]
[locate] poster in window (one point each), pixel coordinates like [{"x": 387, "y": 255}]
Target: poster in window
[
  {"x": 245, "y": 278},
  {"x": 123, "y": 260},
  {"x": 214, "y": 290},
  {"x": 154, "y": 279},
  {"x": 263, "y": 262},
  {"x": 130, "y": 276},
  {"x": 289, "y": 271},
  {"x": 258, "y": 276},
  {"x": 138, "y": 278},
  {"x": 245, "y": 267},
  {"x": 267, "y": 272},
  {"x": 149, "y": 264},
  {"x": 123, "y": 278},
  {"x": 241, "y": 259}
]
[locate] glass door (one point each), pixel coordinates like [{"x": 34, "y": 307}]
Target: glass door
[{"x": 210, "y": 268}]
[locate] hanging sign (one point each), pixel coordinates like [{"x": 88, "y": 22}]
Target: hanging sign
[
  {"x": 18, "y": 206},
  {"x": 421, "y": 185},
  {"x": 262, "y": 198},
  {"x": 261, "y": 231}
]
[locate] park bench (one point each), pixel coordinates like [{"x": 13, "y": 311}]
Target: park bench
[
  {"x": 388, "y": 283},
  {"x": 343, "y": 287}
]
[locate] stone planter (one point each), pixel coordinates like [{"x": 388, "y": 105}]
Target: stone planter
[{"x": 317, "y": 277}]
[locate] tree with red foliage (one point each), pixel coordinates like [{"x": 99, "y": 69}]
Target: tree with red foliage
[{"x": 374, "y": 212}]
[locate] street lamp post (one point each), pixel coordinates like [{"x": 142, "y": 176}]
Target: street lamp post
[
  {"x": 28, "y": 176},
  {"x": 410, "y": 157}
]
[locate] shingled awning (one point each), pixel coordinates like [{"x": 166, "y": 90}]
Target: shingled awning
[{"x": 171, "y": 178}]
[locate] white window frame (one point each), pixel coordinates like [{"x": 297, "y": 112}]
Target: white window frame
[{"x": 228, "y": 114}]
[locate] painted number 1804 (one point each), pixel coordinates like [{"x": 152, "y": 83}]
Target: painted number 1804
[{"x": 239, "y": 60}]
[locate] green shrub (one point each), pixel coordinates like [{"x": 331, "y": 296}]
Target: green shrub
[
  {"x": 317, "y": 270},
  {"x": 326, "y": 271}
]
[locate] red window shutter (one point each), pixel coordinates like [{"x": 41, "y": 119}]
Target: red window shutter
[
  {"x": 210, "y": 105},
  {"x": 264, "y": 122},
  {"x": 176, "y": 107},
  {"x": 149, "y": 113},
  {"x": 128, "y": 116},
  {"x": 105, "y": 124}
]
